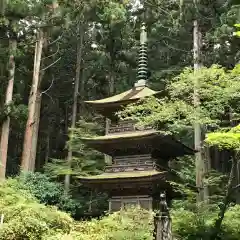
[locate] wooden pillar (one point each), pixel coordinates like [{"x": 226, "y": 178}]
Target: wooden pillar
[
  {"x": 110, "y": 205},
  {"x": 162, "y": 221}
]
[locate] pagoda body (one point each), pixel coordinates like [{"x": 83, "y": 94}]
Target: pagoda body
[{"x": 139, "y": 170}]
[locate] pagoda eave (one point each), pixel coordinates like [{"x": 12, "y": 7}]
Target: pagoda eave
[
  {"x": 165, "y": 145},
  {"x": 124, "y": 98},
  {"x": 126, "y": 179}
]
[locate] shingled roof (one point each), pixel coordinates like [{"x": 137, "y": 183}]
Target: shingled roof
[{"x": 135, "y": 93}]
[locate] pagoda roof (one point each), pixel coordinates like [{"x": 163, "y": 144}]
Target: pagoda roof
[
  {"x": 135, "y": 93},
  {"x": 124, "y": 135},
  {"x": 125, "y": 176},
  {"x": 166, "y": 146}
]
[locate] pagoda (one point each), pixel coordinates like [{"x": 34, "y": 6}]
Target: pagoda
[{"x": 139, "y": 169}]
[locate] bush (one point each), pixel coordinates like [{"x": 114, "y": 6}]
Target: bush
[
  {"x": 25, "y": 218},
  {"x": 50, "y": 192},
  {"x": 45, "y": 190},
  {"x": 197, "y": 224},
  {"x": 133, "y": 224}
]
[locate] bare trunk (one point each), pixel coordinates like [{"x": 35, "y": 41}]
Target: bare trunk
[
  {"x": 75, "y": 102},
  {"x": 26, "y": 163},
  {"x": 47, "y": 147},
  {"x": 36, "y": 129},
  {"x": 107, "y": 158},
  {"x": 8, "y": 100},
  {"x": 111, "y": 82},
  {"x": 36, "y": 121},
  {"x": 3, "y": 4},
  {"x": 198, "y": 134}
]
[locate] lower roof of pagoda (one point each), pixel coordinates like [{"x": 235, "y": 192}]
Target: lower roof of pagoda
[
  {"x": 140, "y": 142},
  {"x": 119, "y": 177}
]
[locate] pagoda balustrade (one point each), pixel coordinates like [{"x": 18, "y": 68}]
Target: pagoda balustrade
[
  {"x": 131, "y": 163},
  {"x": 125, "y": 126}
]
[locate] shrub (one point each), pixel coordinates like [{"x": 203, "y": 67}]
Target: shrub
[
  {"x": 133, "y": 224},
  {"x": 45, "y": 190},
  {"x": 25, "y": 218},
  {"x": 198, "y": 223},
  {"x": 50, "y": 192}
]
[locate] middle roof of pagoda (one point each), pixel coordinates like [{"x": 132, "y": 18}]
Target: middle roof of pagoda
[
  {"x": 166, "y": 146},
  {"x": 128, "y": 96}
]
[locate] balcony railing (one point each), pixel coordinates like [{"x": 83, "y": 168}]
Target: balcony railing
[
  {"x": 129, "y": 168},
  {"x": 131, "y": 163},
  {"x": 125, "y": 126},
  {"x": 133, "y": 159}
]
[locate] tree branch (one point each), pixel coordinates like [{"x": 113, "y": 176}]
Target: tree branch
[
  {"x": 48, "y": 87},
  {"x": 59, "y": 37},
  {"x": 52, "y": 54},
  {"x": 50, "y": 64}
]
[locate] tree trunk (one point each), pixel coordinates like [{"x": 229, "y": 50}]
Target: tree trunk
[
  {"x": 3, "y": 4},
  {"x": 26, "y": 163},
  {"x": 198, "y": 134},
  {"x": 47, "y": 151},
  {"x": 8, "y": 100},
  {"x": 38, "y": 108},
  {"x": 36, "y": 129},
  {"x": 227, "y": 200},
  {"x": 75, "y": 102},
  {"x": 111, "y": 90}
]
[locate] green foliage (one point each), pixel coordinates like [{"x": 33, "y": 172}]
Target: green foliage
[
  {"x": 132, "y": 224},
  {"x": 50, "y": 192},
  {"x": 196, "y": 224},
  {"x": 237, "y": 33},
  {"x": 85, "y": 161},
  {"x": 17, "y": 113},
  {"x": 25, "y": 218},
  {"x": 218, "y": 91},
  {"x": 225, "y": 140},
  {"x": 46, "y": 191}
]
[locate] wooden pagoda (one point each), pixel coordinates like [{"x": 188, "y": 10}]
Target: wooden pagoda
[{"x": 139, "y": 170}]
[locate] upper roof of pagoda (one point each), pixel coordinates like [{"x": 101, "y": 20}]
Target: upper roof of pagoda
[
  {"x": 108, "y": 106},
  {"x": 131, "y": 95}
]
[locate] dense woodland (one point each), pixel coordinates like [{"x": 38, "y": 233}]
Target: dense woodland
[{"x": 55, "y": 54}]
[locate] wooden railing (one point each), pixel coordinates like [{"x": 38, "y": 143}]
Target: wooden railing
[
  {"x": 125, "y": 126},
  {"x": 131, "y": 163},
  {"x": 129, "y": 168},
  {"x": 133, "y": 159}
]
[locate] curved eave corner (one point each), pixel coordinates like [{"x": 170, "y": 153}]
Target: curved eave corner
[{"x": 130, "y": 95}]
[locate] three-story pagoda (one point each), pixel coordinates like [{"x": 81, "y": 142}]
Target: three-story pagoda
[{"x": 140, "y": 157}]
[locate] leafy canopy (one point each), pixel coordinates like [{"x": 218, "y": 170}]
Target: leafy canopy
[
  {"x": 218, "y": 90},
  {"x": 225, "y": 139}
]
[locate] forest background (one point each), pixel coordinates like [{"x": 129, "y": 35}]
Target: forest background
[{"x": 56, "y": 54}]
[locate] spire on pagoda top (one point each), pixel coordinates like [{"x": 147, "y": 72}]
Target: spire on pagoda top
[
  {"x": 140, "y": 90},
  {"x": 142, "y": 59}
]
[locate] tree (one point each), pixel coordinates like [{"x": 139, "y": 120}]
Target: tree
[
  {"x": 75, "y": 97},
  {"x": 229, "y": 140},
  {"x": 12, "y": 13},
  {"x": 34, "y": 103},
  {"x": 176, "y": 114},
  {"x": 9, "y": 94},
  {"x": 28, "y": 163}
]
